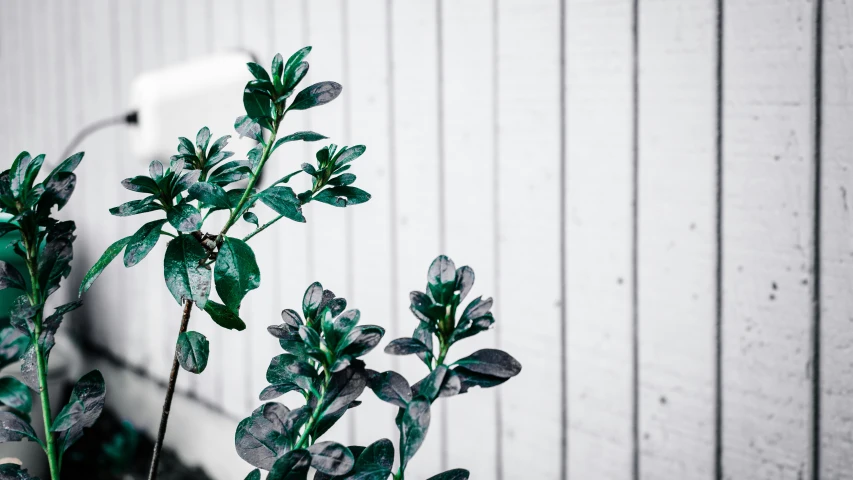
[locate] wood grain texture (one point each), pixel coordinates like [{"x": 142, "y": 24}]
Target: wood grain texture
[
  {"x": 469, "y": 191},
  {"x": 416, "y": 178},
  {"x": 367, "y": 98},
  {"x": 837, "y": 244},
  {"x": 677, "y": 225},
  {"x": 599, "y": 226},
  {"x": 767, "y": 239}
]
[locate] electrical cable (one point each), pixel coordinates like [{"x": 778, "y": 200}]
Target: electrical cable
[{"x": 129, "y": 118}]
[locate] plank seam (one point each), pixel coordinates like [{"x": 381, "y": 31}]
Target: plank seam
[
  {"x": 392, "y": 172},
  {"x": 564, "y": 395},
  {"x": 718, "y": 274},
  {"x": 442, "y": 203},
  {"x": 816, "y": 238},
  {"x": 349, "y": 281},
  {"x": 496, "y": 158},
  {"x": 635, "y": 187}
]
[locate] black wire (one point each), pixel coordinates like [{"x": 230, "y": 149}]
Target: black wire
[{"x": 130, "y": 118}]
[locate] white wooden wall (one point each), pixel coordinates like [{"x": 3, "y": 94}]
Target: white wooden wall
[{"x": 657, "y": 192}]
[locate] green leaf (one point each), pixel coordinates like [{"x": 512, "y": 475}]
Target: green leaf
[
  {"x": 57, "y": 191},
  {"x": 316, "y": 95},
  {"x": 277, "y": 70},
  {"x": 210, "y": 195},
  {"x": 192, "y": 351},
  {"x": 390, "y": 387},
  {"x": 10, "y": 277},
  {"x": 257, "y": 105},
  {"x": 258, "y": 71},
  {"x": 441, "y": 279},
  {"x": 430, "y": 386},
  {"x": 33, "y": 171},
  {"x": 331, "y": 458},
  {"x": 254, "y": 475},
  {"x": 469, "y": 379},
  {"x": 247, "y": 127},
  {"x": 14, "y": 429},
  {"x": 405, "y": 346},
  {"x": 342, "y": 196},
  {"x": 184, "y": 217},
  {"x": 464, "y": 281},
  {"x": 347, "y": 155},
  {"x": 12, "y": 471},
  {"x": 155, "y": 170},
  {"x": 83, "y": 409},
  {"x": 202, "y": 138},
  {"x": 67, "y": 166},
  {"x": 413, "y": 428},
  {"x": 361, "y": 340},
  {"x": 342, "y": 180},
  {"x": 142, "y": 184},
  {"x": 142, "y": 242},
  {"x": 283, "y": 201},
  {"x": 185, "y": 146},
  {"x": 455, "y": 474},
  {"x": 493, "y": 362},
  {"x": 236, "y": 272},
  {"x": 18, "y": 173},
  {"x": 15, "y": 394},
  {"x": 223, "y": 316},
  {"x": 251, "y": 218},
  {"x": 289, "y": 369},
  {"x": 13, "y": 343},
  {"x": 135, "y": 207},
  {"x": 375, "y": 462},
  {"x": 294, "y": 60},
  {"x": 293, "y": 137},
  {"x": 262, "y": 438},
  {"x": 217, "y": 147},
  {"x": 185, "y": 279},
  {"x": 99, "y": 266},
  {"x": 293, "y": 465}
]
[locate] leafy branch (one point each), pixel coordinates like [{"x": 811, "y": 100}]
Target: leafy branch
[
  {"x": 45, "y": 246},
  {"x": 196, "y": 185}
]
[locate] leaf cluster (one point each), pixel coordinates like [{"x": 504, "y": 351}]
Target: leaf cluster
[{"x": 323, "y": 346}]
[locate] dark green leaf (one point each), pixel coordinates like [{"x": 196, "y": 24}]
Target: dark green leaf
[
  {"x": 304, "y": 136},
  {"x": 192, "y": 351},
  {"x": 57, "y": 191},
  {"x": 431, "y": 384},
  {"x": 18, "y": 173},
  {"x": 413, "y": 428},
  {"x": 258, "y": 71},
  {"x": 277, "y": 70},
  {"x": 135, "y": 207},
  {"x": 331, "y": 458},
  {"x": 12, "y": 471},
  {"x": 316, "y": 95},
  {"x": 99, "y": 266},
  {"x": 223, "y": 316},
  {"x": 247, "y": 127},
  {"x": 83, "y": 409},
  {"x": 257, "y": 105},
  {"x": 67, "y": 166},
  {"x": 294, "y": 60},
  {"x": 15, "y": 394},
  {"x": 274, "y": 391},
  {"x": 342, "y": 180},
  {"x": 288, "y": 368},
  {"x": 55, "y": 262},
  {"x": 489, "y": 361},
  {"x": 361, "y": 340},
  {"x": 311, "y": 300},
  {"x": 441, "y": 279},
  {"x": 293, "y": 465},
  {"x": 254, "y": 475},
  {"x": 202, "y": 138},
  {"x": 236, "y": 272},
  {"x": 155, "y": 170},
  {"x": 217, "y": 147},
  {"x": 464, "y": 281},
  {"x": 251, "y": 218},
  {"x": 13, "y": 343},
  {"x": 342, "y": 196},
  {"x": 345, "y": 387},
  {"x": 141, "y": 184},
  {"x": 261, "y": 438},
  {"x": 184, "y": 217},
  {"x": 33, "y": 171},
  {"x": 186, "y": 181},
  {"x": 185, "y": 279},
  {"x": 185, "y": 146},
  {"x": 210, "y": 195},
  {"x": 142, "y": 242},
  {"x": 14, "y": 429},
  {"x": 347, "y": 155},
  {"x": 469, "y": 379},
  {"x": 375, "y": 462},
  {"x": 405, "y": 346},
  {"x": 283, "y": 201},
  {"x": 390, "y": 387},
  {"x": 10, "y": 277},
  {"x": 337, "y": 328},
  {"x": 455, "y": 474}
]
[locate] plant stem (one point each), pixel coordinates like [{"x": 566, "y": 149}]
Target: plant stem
[
  {"x": 315, "y": 415},
  {"x": 170, "y": 391},
  {"x": 37, "y": 301}
]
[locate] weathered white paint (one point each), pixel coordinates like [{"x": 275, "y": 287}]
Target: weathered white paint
[
  {"x": 598, "y": 238},
  {"x": 767, "y": 239},
  {"x": 677, "y": 270}
]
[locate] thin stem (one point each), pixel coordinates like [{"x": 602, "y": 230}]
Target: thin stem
[
  {"x": 170, "y": 391},
  {"x": 315, "y": 415},
  {"x": 37, "y": 301}
]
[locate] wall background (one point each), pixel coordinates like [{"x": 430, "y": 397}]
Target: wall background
[{"x": 655, "y": 191}]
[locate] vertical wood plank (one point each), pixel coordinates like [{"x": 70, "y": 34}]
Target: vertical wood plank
[
  {"x": 472, "y": 420},
  {"x": 677, "y": 222},
  {"x": 599, "y": 225},
  {"x": 416, "y": 180},
  {"x": 528, "y": 235},
  {"x": 8, "y": 130},
  {"x": 836, "y": 243},
  {"x": 367, "y": 94},
  {"x": 767, "y": 240}
]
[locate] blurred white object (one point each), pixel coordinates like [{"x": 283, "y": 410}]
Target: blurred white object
[{"x": 178, "y": 100}]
